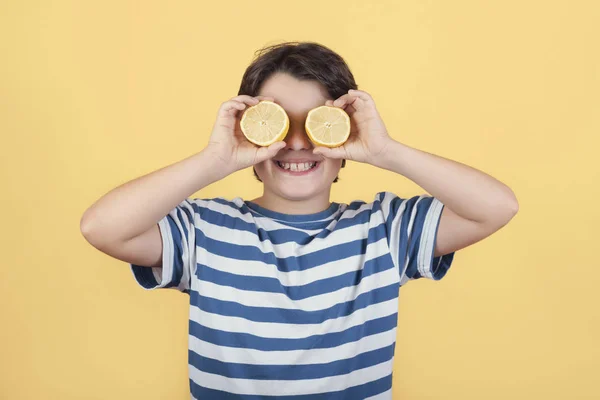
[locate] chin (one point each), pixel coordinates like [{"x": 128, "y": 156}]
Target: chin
[{"x": 296, "y": 192}]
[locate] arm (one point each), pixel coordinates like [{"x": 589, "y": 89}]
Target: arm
[
  {"x": 476, "y": 204},
  {"x": 117, "y": 225},
  {"x": 123, "y": 223}
]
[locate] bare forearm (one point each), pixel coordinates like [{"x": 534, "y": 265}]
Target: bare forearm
[
  {"x": 134, "y": 207},
  {"x": 470, "y": 193}
]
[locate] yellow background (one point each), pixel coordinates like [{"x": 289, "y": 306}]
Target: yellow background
[{"x": 93, "y": 94}]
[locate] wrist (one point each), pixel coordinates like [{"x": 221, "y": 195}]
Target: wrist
[
  {"x": 215, "y": 162},
  {"x": 393, "y": 157}
]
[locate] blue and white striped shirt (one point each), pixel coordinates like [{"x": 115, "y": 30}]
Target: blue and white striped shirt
[{"x": 295, "y": 306}]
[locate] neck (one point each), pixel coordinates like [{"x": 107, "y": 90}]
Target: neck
[{"x": 274, "y": 202}]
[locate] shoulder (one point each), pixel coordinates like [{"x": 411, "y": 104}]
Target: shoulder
[
  {"x": 358, "y": 209},
  {"x": 217, "y": 206},
  {"x": 387, "y": 204},
  {"x": 374, "y": 204},
  {"x": 221, "y": 218}
]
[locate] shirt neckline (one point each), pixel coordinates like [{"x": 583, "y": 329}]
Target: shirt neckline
[{"x": 320, "y": 216}]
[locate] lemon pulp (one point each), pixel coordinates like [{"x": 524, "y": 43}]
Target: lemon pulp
[{"x": 265, "y": 123}]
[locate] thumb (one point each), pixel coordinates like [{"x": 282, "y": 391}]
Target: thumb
[
  {"x": 265, "y": 153},
  {"x": 335, "y": 153}
]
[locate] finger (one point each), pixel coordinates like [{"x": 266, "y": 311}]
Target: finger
[
  {"x": 245, "y": 99},
  {"x": 266, "y": 153},
  {"x": 269, "y": 98},
  {"x": 334, "y": 153},
  {"x": 349, "y": 108},
  {"x": 342, "y": 100},
  {"x": 231, "y": 107},
  {"x": 361, "y": 94},
  {"x": 347, "y": 100},
  {"x": 354, "y": 94}
]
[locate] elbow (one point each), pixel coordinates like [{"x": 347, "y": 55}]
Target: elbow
[
  {"x": 515, "y": 208},
  {"x": 510, "y": 207},
  {"x": 503, "y": 210},
  {"x": 513, "y": 204},
  {"x": 88, "y": 228},
  {"x": 85, "y": 224}
]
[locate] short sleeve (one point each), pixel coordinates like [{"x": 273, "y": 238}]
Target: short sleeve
[
  {"x": 178, "y": 233},
  {"x": 412, "y": 226}
]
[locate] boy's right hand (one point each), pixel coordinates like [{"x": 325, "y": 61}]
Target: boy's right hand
[{"x": 227, "y": 141}]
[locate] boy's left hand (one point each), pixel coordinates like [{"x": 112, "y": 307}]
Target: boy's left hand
[{"x": 368, "y": 135}]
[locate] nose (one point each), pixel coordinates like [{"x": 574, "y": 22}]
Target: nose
[{"x": 297, "y": 139}]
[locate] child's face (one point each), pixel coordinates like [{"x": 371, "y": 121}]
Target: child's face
[{"x": 294, "y": 182}]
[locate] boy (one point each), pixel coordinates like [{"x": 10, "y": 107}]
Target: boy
[{"x": 290, "y": 294}]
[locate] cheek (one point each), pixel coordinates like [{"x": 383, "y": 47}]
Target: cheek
[
  {"x": 332, "y": 168},
  {"x": 262, "y": 168}
]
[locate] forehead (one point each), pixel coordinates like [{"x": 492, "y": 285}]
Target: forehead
[{"x": 295, "y": 96}]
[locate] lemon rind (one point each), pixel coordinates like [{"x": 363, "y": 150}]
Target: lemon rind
[
  {"x": 321, "y": 143},
  {"x": 282, "y": 133}
]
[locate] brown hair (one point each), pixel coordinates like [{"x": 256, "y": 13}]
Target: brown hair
[{"x": 303, "y": 61}]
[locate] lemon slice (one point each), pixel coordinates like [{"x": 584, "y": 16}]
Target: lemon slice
[
  {"x": 265, "y": 123},
  {"x": 327, "y": 126}
]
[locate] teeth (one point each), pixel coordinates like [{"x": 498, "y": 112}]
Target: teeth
[{"x": 297, "y": 166}]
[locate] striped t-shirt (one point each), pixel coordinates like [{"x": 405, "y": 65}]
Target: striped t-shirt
[{"x": 299, "y": 307}]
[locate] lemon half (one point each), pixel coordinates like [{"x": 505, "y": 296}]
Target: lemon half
[
  {"x": 328, "y": 126},
  {"x": 265, "y": 123}
]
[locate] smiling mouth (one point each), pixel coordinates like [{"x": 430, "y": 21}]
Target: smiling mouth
[{"x": 297, "y": 167}]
